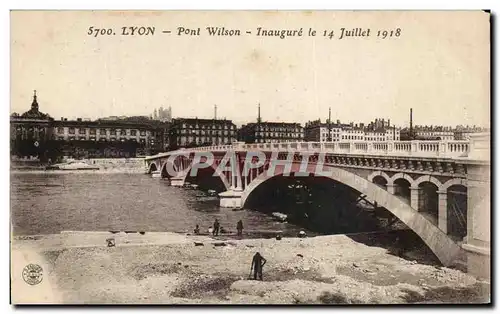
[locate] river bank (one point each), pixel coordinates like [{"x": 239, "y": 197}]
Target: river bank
[
  {"x": 175, "y": 268},
  {"x": 105, "y": 165}
]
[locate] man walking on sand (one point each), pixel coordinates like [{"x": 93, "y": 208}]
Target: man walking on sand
[
  {"x": 239, "y": 227},
  {"x": 257, "y": 263},
  {"x": 216, "y": 227}
]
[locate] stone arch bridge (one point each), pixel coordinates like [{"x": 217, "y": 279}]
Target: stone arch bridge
[{"x": 417, "y": 181}]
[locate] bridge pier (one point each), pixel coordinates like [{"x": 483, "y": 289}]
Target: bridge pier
[
  {"x": 443, "y": 211},
  {"x": 231, "y": 198},
  {"x": 477, "y": 241},
  {"x": 391, "y": 188},
  {"x": 177, "y": 181},
  {"x": 414, "y": 197},
  {"x": 156, "y": 174}
]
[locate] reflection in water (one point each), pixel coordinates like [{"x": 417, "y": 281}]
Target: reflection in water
[{"x": 44, "y": 203}]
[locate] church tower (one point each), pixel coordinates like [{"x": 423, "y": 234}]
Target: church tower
[{"x": 34, "y": 104}]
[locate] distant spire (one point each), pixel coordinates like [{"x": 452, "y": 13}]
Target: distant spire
[
  {"x": 258, "y": 115},
  {"x": 215, "y": 112},
  {"x": 34, "y": 104}
]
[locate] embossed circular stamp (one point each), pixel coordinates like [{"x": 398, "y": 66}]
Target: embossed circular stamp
[{"x": 33, "y": 274}]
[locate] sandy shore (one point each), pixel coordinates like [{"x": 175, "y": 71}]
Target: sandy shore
[{"x": 171, "y": 268}]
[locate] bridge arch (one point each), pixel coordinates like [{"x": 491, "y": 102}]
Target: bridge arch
[
  {"x": 427, "y": 178},
  {"x": 152, "y": 167},
  {"x": 401, "y": 175},
  {"x": 163, "y": 171},
  {"x": 443, "y": 247},
  {"x": 451, "y": 182},
  {"x": 456, "y": 206},
  {"x": 223, "y": 178},
  {"x": 379, "y": 174}
]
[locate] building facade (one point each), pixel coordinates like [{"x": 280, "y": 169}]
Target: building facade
[
  {"x": 271, "y": 132},
  {"x": 35, "y": 134},
  {"x": 191, "y": 132},
  {"x": 111, "y": 138},
  {"x": 434, "y": 132},
  {"x": 464, "y": 132},
  {"x": 316, "y": 131}
]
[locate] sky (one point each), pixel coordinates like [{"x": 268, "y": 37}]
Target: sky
[{"x": 439, "y": 66}]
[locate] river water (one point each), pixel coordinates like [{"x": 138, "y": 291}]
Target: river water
[{"x": 45, "y": 203}]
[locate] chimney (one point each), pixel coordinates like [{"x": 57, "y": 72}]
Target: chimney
[
  {"x": 215, "y": 112},
  {"x": 330, "y": 124},
  {"x": 411, "y": 123},
  {"x": 388, "y": 123}
]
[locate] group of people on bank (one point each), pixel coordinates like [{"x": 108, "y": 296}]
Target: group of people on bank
[{"x": 217, "y": 228}]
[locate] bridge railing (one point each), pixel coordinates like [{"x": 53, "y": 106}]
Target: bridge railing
[{"x": 444, "y": 149}]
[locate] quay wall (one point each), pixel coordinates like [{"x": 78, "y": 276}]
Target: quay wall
[{"x": 105, "y": 164}]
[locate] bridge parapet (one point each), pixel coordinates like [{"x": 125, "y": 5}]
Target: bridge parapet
[{"x": 443, "y": 149}]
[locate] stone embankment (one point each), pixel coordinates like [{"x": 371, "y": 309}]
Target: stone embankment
[
  {"x": 155, "y": 268},
  {"x": 118, "y": 164},
  {"x": 106, "y": 165}
]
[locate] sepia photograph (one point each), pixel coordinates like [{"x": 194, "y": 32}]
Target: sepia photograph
[{"x": 250, "y": 157}]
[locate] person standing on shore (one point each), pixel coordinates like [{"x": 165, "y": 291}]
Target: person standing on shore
[
  {"x": 239, "y": 227},
  {"x": 258, "y": 263},
  {"x": 216, "y": 227}
]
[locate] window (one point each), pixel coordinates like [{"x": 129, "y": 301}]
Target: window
[
  {"x": 143, "y": 133},
  {"x": 81, "y": 131},
  {"x": 92, "y": 131},
  {"x": 112, "y": 132},
  {"x": 60, "y": 130},
  {"x": 102, "y": 131},
  {"x": 123, "y": 132},
  {"x": 133, "y": 132},
  {"x": 71, "y": 130}
]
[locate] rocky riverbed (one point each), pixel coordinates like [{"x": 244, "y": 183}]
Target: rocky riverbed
[{"x": 174, "y": 268}]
